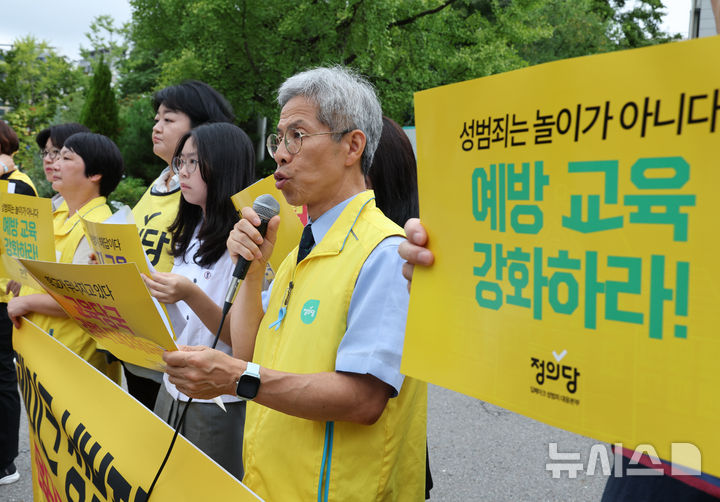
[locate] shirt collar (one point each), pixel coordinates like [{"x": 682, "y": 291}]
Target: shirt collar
[
  {"x": 159, "y": 185},
  {"x": 322, "y": 224}
]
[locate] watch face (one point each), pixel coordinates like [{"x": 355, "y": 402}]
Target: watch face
[{"x": 247, "y": 386}]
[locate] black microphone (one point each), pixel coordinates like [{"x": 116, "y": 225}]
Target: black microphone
[{"x": 266, "y": 207}]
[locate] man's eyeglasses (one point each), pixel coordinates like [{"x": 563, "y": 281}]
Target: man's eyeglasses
[
  {"x": 52, "y": 155},
  {"x": 293, "y": 140},
  {"x": 189, "y": 164}
]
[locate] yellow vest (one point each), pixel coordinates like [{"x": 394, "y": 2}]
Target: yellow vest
[
  {"x": 290, "y": 458},
  {"x": 59, "y": 206},
  {"x": 15, "y": 175},
  {"x": 21, "y": 176},
  {"x": 67, "y": 237},
  {"x": 60, "y": 214},
  {"x": 153, "y": 214}
]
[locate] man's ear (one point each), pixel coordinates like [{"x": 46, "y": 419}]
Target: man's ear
[
  {"x": 95, "y": 178},
  {"x": 356, "y": 142}
]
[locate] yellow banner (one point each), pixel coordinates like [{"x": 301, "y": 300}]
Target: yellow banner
[
  {"x": 290, "y": 225},
  {"x": 26, "y": 232},
  {"x": 112, "y": 304},
  {"x": 572, "y": 211},
  {"x": 90, "y": 440}
]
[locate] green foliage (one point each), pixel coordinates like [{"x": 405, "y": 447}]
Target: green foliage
[
  {"x": 402, "y": 45},
  {"x": 27, "y": 158},
  {"x": 577, "y": 30},
  {"x": 138, "y": 72},
  {"x": 71, "y": 110},
  {"x": 634, "y": 24},
  {"x": 245, "y": 51},
  {"x": 186, "y": 66},
  {"x": 38, "y": 85},
  {"x": 34, "y": 77},
  {"x": 128, "y": 191},
  {"x": 100, "y": 111},
  {"x": 134, "y": 140},
  {"x": 106, "y": 40}
]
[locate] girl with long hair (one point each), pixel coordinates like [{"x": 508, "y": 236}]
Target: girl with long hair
[{"x": 213, "y": 162}]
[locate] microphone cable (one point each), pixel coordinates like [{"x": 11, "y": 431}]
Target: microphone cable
[{"x": 225, "y": 311}]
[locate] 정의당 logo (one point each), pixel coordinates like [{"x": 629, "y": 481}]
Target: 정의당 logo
[{"x": 309, "y": 311}]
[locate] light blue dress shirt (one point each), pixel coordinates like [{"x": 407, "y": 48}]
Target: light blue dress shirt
[{"x": 373, "y": 342}]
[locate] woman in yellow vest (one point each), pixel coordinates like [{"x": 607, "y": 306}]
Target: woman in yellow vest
[
  {"x": 178, "y": 109},
  {"x": 18, "y": 182},
  {"x": 88, "y": 170}
]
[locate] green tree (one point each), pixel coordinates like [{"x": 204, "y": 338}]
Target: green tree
[
  {"x": 403, "y": 46},
  {"x": 577, "y": 30},
  {"x": 27, "y": 158},
  {"x": 100, "y": 111},
  {"x": 634, "y": 23},
  {"x": 128, "y": 191},
  {"x": 134, "y": 140},
  {"x": 34, "y": 76},
  {"x": 106, "y": 40},
  {"x": 38, "y": 85},
  {"x": 135, "y": 112}
]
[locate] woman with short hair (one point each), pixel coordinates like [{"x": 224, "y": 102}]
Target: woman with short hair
[
  {"x": 50, "y": 141},
  {"x": 88, "y": 169}
]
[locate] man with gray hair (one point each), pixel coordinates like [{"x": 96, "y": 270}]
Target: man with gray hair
[{"x": 330, "y": 416}]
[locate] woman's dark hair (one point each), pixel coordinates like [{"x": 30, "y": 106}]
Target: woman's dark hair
[
  {"x": 393, "y": 174},
  {"x": 58, "y": 134},
  {"x": 101, "y": 156},
  {"x": 227, "y": 165},
  {"x": 197, "y": 100},
  {"x": 9, "y": 143}
]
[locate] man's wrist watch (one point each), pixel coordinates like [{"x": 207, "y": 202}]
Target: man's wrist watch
[{"x": 249, "y": 383}]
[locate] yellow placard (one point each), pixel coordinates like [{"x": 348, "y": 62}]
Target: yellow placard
[
  {"x": 11, "y": 268},
  {"x": 90, "y": 440},
  {"x": 571, "y": 210},
  {"x": 116, "y": 243},
  {"x": 26, "y": 232},
  {"x": 112, "y": 304},
  {"x": 290, "y": 225}
]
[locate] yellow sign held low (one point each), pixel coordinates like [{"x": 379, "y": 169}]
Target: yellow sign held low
[
  {"x": 112, "y": 304},
  {"x": 90, "y": 440}
]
